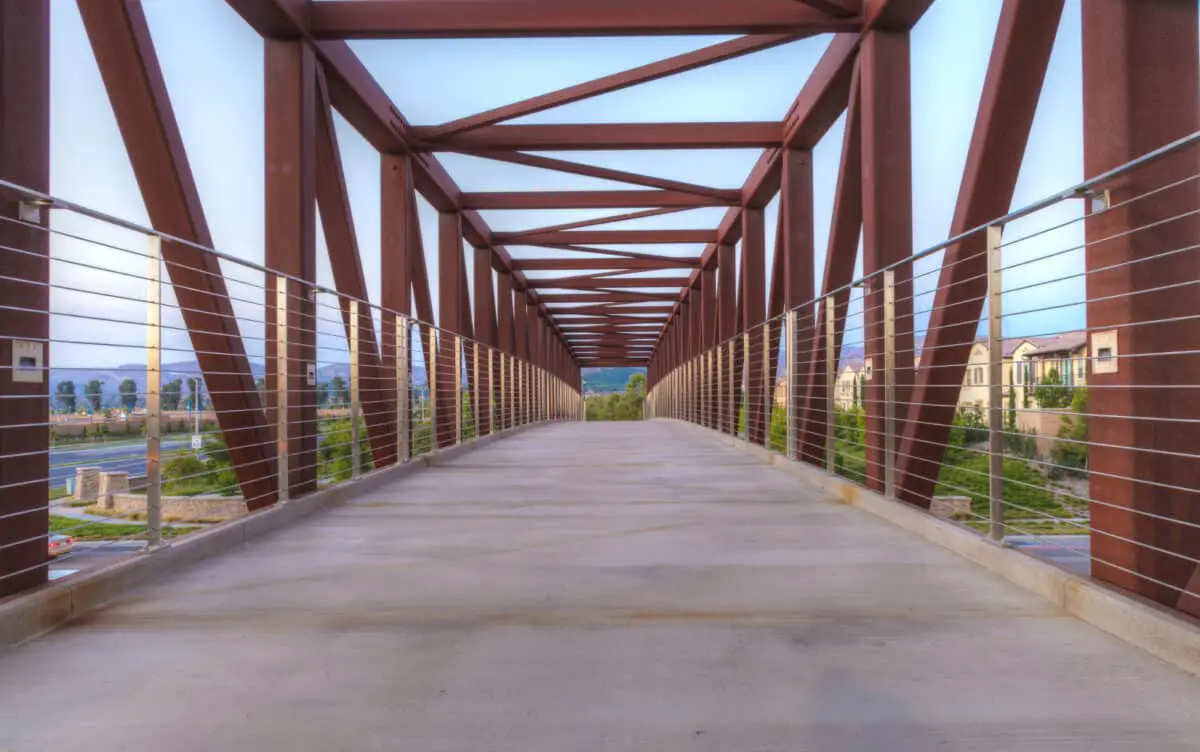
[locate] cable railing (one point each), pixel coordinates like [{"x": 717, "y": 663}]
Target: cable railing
[
  {"x": 1033, "y": 379},
  {"x": 178, "y": 391}
]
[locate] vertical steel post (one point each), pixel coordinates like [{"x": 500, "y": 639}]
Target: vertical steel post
[
  {"x": 889, "y": 383},
  {"x": 431, "y": 380},
  {"x": 789, "y": 397},
  {"x": 768, "y": 388},
  {"x": 281, "y": 387},
  {"x": 995, "y": 234},
  {"x": 153, "y": 392},
  {"x": 491, "y": 381},
  {"x": 731, "y": 389},
  {"x": 744, "y": 389},
  {"x": 355, "y": 390},
  {"x": 403, "y": 400},
  {"x": 475, "y": 387},
  {"x": 719, "y": 383},
  {"x": 831, "y": 365},
  {"x": 458, "y": 389}
]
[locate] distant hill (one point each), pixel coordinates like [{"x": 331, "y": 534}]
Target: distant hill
[
  {"x": 111, "y": 378},
  {"x": 607, "y": 380}
]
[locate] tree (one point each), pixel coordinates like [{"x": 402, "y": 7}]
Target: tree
[
  {"x": 854, "y": 393},
  {"x": 170, "y": 394},
  {"x": 193, "y": 400},
  {"x": 1070, "y": 453},
  {"x": 626, "y": 406},
  {"x": 260, "y": 384},
  {"x": 338, "y": 391},
  {"x": 129, "y": 395},
  {"x": 1011, "y": 418},
  {"x": 1051, "y": 393},
  {"x": 323, "y": 393},
  {"x": 66, "y": 395},
  {"x": 95, "y": 394}
]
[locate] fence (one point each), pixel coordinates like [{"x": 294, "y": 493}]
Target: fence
[
  {"x": 236, "y": 387},
  {"x": 1034, "y": 379}
]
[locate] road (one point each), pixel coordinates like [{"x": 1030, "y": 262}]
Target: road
[
  {"x": 92, "y": 554},
  {"x": 122, "y": 456},
  {"x": 1072, "y": 552}
]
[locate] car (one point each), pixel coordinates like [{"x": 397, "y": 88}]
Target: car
[{"x": 60, "y": 544}]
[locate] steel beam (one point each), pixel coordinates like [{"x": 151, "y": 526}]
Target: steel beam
[
  {"x": 660, "y": 69},
  {"x": 451, "y": 264},
  {"x": 753, "y": 284},
  {"x": 521, "y": 200},
  {"x": 392, "y": 19},
  {"x": 291, "y": 113},
  {"x": 378, "y": 381},
  {"x": 128, "y": 63},
  {"x": 733, "y": 135},
  {"x": 1140, "y": 91},
  {"x": 1020, "y": 54},
  {"x": 840, "y": 255},
  {"x": 614, "y": 237},
  {"x": 887, "y": 222},
  {"x": 24, "y": 279}
]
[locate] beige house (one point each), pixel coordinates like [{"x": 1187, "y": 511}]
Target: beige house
[{"x": 1027, "y": 361}]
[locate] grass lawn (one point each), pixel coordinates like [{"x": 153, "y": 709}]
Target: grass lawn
[{"x": 83, "y": 530}]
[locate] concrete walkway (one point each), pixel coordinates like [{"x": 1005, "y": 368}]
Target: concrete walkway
[{"x": 591, "y": 587}]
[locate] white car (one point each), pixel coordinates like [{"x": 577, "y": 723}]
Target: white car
[{"x": 60, "y": 544}]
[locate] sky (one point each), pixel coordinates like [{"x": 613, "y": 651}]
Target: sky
[{"x": 212, "y": 62}]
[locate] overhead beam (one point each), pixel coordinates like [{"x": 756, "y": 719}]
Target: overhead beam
[
  {"x": 592, "y": 171},
  {"x": 621, "y": 296},
  {"x": 678, "y": 64},
  {"x": 395, "y": 19},
  {"x": 628, "y": 264},
  {"x": 591, "y": 136},
  {"x": 625, "y": 217},
  {"x": 522, "y": 200},
  {"x": 612, "y": 237},
  {"x": 613, "y": 282}
]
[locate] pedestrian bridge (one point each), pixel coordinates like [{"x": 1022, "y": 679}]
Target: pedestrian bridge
[{"x": 616, "y": 586}]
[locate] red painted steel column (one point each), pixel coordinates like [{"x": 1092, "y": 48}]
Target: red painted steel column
[
  {"x": 1140, "y": 92},
  {"x": 753, "y": 313},
  {"x": 395, "y": 262},
  {"x": 485, "y": 327},
  {"x": 507, "y": 345},
  {"x": 451, "y": 261},
  {"x": 708, "y": 304},
  {"x": 887, "y": 221},
  {"x": 291, "y": 246},
  {"x": 727, "y": 327},
  {"x": 24, "y": 159},
  {"x": 796, "y": 209}
]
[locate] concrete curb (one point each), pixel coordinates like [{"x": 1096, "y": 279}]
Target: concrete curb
[
  {"x": 1165, "y": 634},
  {"x": 30, "y": 615}
]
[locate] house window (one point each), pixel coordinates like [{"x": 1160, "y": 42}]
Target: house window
[
  {"x": 979, "y": 375},
  {"x": 1079, "y": 368}
]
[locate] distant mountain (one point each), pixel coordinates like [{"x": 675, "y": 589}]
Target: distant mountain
[{"x": 607, "y": 380}]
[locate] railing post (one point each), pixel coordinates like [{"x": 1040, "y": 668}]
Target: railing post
[
  {"x": 744, "y": 390},
  {"x": 355, "y": 390},
  {"x": 995, "y": 234},
  {"x": 282, "y": 474},
  {"x": 831, "y": 365},
  {"x": 431, "y": 380},
  {"x": 889, "y": 383},
  {"x": 491, "y": 380},
  {"x": 475, "y": 387},
  {"x": 403, "y": 400},
  {"x": 153, "y": 393},
  {"x": 789, "y": 398},
  {"x": 731, "y": 390},
  {"x": 768, "y": 388},
  {"x": 458, "y": 391}
]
